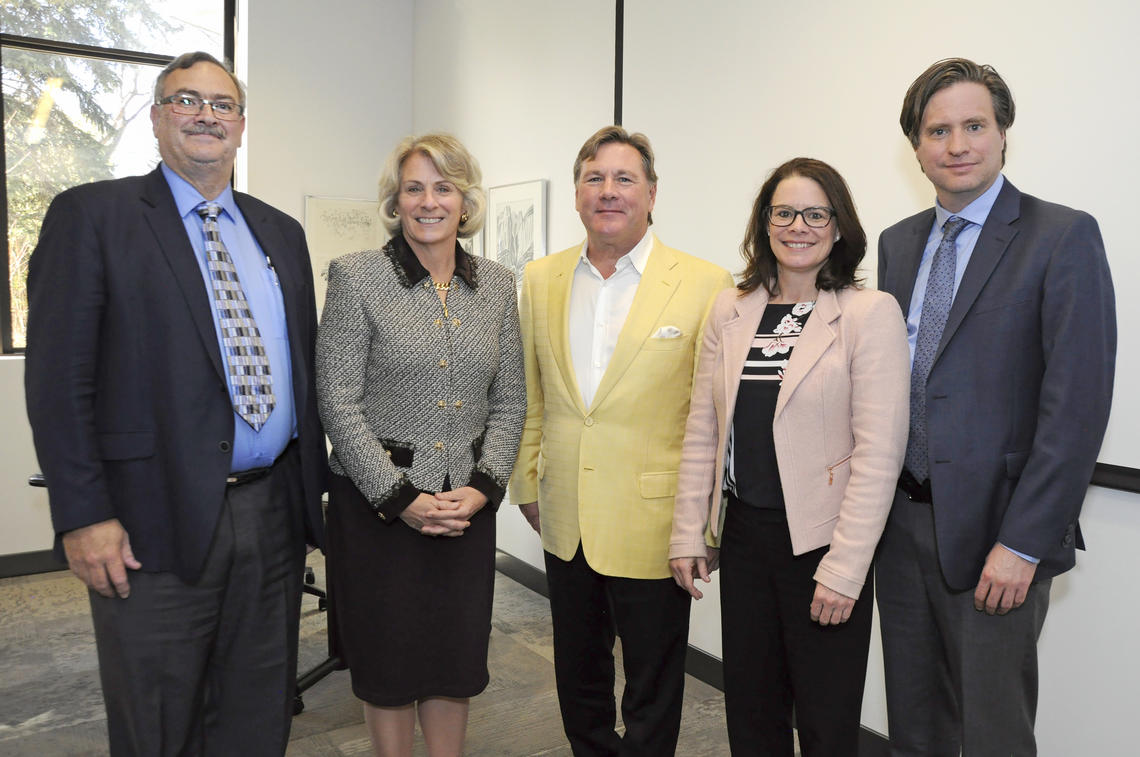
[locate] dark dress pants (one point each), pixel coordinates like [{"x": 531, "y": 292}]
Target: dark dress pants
[
  {"x": 652, "y": 618},
  {"x": 210, "y": 668},
  {"x": 775, "y": 657},
  {"x": 958, "y": 680}
]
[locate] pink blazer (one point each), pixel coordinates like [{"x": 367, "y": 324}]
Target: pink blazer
[{"x": 840, "y": 427}]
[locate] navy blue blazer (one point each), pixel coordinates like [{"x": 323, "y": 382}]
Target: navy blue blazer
[
  {"x": 126, "y": 387},
  {"x": 1019, "y": 392}
]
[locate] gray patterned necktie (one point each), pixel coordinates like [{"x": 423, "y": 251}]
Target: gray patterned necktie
[
  {"x": 251, "y": 386},
  {"x": 935, "y": 310}
]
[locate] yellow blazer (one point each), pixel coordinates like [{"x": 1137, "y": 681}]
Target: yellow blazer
[
  {"x": 839, "y": 429},
  {"x": 605, "y": 475}
]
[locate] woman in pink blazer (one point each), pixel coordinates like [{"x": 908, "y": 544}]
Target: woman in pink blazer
[{"x": 792, "y": 452}]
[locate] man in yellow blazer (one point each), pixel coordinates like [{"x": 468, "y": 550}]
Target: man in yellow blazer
[{"x": 610, "y": 333}]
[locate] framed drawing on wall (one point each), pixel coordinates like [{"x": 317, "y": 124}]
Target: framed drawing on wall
[
  {"x": 515, "y": 231},
  {"x": 336, "y": 226}
]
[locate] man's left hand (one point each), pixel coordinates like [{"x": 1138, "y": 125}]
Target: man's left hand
[{"x": 1004, "y": 583}]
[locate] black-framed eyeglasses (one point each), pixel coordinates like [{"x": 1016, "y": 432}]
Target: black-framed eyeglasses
[
  {"x": 785, "y": 215},
  {"x": 190, "y": 105}
]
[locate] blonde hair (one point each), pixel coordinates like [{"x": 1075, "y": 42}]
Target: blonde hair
[{"x": 453, "y": 162}]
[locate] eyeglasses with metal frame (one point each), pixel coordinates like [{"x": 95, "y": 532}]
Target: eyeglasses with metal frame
[
  {"x": 191, "y": 105},
  {"x": 785, "y": 215}
]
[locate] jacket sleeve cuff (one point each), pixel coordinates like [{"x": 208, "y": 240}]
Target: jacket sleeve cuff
[
  {"x": 832, "y": 580},
  {"x": 688, "y": 547},
  {"x": 486, "y": 485},
  {"x": 389, "y": 507}
]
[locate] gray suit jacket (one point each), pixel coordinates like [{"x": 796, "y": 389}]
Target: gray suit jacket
[{"x": 1020, "y": 389}]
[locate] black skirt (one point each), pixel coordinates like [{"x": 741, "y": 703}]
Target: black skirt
[{"x": 410, "y": 615}]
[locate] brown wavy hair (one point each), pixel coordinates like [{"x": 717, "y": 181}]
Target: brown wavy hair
[
  {"x": 945, "y": 73},
  {"x": 839, "y": 269}
]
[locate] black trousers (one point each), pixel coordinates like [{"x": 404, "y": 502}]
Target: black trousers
[
  {"x": 651, "y": 616},
  {"x": 774, "y": 655},
  {"x": 210, "y": 668}
]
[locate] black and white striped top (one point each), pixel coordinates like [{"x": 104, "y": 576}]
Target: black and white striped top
[{"x": 751, "y": 473}]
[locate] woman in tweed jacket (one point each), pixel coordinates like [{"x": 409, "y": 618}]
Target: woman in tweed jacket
[{"x": 421, "y": 390}]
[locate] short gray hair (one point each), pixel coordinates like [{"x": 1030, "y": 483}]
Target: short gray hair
[{"x": 188, "y": 60}]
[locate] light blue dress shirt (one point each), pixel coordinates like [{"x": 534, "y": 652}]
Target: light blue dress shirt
[
  {"x": 251, "y": 449},
  {"x": 976, "y": 213}
]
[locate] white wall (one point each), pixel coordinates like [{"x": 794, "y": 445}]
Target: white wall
[
  {"x": 330, "y": 92},
  {"x": 27, "y": 521},
  {"x": 522, "y": 85}
]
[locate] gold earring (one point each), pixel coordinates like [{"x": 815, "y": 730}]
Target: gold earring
[
  {"x": 463, "y": 217},
  {"x": 395, "y": 213}
]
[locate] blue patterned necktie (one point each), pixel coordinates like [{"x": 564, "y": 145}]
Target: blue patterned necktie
[
  {"x": 935, "y": 310},
  {"x": 251, "y": 386}
]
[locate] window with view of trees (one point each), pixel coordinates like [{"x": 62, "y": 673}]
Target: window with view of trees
[{"x": 78, "y": 80}]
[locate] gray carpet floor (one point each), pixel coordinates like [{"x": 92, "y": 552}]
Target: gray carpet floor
[{"x": 50, "y": 701}]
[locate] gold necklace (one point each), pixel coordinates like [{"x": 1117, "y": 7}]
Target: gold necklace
[{"x": 440, "y": 287}]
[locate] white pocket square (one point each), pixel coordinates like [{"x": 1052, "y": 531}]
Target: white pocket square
[{"x": 667, "y": 332}]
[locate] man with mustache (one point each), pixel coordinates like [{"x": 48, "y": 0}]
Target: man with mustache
[{"x": 169, "y": 376}]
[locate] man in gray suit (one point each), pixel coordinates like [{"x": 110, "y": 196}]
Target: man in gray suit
[{"x": 1011, "y": 322}]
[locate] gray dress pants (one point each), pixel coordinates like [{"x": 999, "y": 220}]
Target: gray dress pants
[
  {"x": 958, "y": 680},
  {"x": 210, "y": 668}
]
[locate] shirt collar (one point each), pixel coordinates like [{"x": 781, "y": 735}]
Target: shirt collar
[
  {"x": 638, "y": 257},
  {"x": 187, "y": 198},
  {"x": 411, "y": 271},
  {"x": 977, "y": 211}
]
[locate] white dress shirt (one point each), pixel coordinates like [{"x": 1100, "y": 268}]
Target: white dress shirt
[{"x": 598, "y": 309}]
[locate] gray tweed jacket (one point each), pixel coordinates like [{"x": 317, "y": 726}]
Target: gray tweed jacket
[{"x": 411, "y": 393}]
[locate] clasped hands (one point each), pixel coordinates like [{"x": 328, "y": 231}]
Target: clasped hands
[{"x": 445, "y": 513}]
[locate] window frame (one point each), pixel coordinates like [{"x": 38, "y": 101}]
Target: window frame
[{"x": 112, "y": 54}]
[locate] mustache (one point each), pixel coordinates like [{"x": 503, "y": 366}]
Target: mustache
[{"x": 214, "y": 131}]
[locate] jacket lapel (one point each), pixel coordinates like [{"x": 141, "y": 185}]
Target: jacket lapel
[
  {"x": 998, "y": 231},
  {"x": 658, "y": 285},
  {"x": 915, "y": 243},
  {"x": 558, "y": 320},
  {"x": 272, "y": 243},
  {"x": 170, "y": 234},
  {"x": 737, "y": 336},
  {"x": 289, "y": 274},
  {"x": 817, "y": 336}
]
